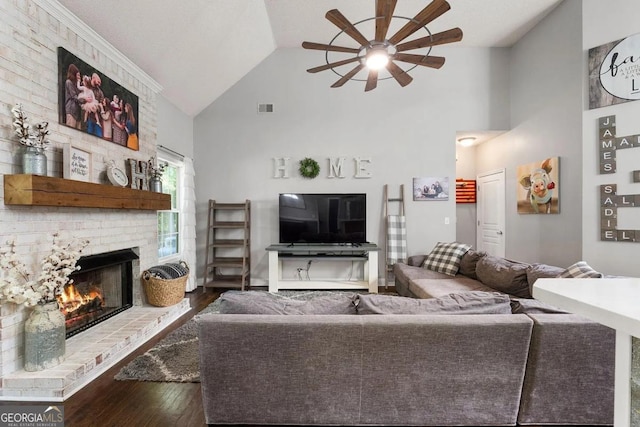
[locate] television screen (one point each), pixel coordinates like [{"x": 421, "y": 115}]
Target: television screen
[{"x": 323, "y": 218}]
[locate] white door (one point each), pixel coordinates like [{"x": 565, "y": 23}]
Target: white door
[{"x": 491, "y": 205}]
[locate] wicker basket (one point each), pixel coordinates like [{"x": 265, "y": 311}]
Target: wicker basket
[{"x": 163, "y": 292}]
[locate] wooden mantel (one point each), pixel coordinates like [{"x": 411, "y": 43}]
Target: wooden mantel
[{"x": 34, "y": 190}]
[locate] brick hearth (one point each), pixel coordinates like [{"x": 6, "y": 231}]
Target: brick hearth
[{"x": 91, "y": 353}]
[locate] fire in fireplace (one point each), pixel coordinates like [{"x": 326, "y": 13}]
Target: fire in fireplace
[{"x": 102, "y": 288}]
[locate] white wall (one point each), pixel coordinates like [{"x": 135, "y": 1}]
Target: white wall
[
  {"x": 175, "y": 128},
  {"x": 466, "y": 217},
  {"x": 604, "y": 22},
  {"x": 407, "y": 132},
  {"x": 546, "y": 120}
]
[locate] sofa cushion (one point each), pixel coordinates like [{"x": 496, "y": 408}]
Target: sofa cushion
[
  {"x": 504, "y": 275},
  {"x": 462, "y": 303},
  {"x": 533, "y": 306},
  {"x": 468, "y": 263},
  {"x": 260, "y": 302},
  {"x": 580, "y": 270},
  {"x": 445, "y": 257},
  {"x": 428, "y": 288}
]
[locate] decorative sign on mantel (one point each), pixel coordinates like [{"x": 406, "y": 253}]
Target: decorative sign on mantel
[
  {"x": 614, "y": 72},
  {"x": 610, "y": 200},
  {"x": 76, "y": 163},
  {"x": 335, "y": 167}
]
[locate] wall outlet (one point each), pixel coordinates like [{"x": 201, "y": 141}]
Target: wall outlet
[{"x": 446, "y": 220}]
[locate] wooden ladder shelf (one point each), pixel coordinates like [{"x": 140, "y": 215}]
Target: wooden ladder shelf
[{"x": 228, "y": 250}]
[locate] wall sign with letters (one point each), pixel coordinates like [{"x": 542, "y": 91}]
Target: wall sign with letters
[
  {"x": 614, "y": 72},
  {"x": 608, "y": 146}
]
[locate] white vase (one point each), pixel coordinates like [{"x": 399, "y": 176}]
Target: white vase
[{"x": 44, "y": 337}]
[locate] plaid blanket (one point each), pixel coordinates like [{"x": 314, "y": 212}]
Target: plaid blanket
[{"x": 396, "y": 239}]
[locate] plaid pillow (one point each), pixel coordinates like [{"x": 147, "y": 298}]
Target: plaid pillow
[
  {"x": 580, "y": 270},
  {"x": 445, "y": 257}
]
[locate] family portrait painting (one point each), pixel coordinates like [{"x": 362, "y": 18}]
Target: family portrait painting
[
  {"x": 431, "y": 188},
  {"x": 91, "y": 102}
]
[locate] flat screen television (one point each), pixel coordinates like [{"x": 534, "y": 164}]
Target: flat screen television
[{"x": 322, "y": 218}]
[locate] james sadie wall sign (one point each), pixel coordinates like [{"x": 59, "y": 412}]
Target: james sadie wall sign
[
  {"x": 610, "y": 198},
  {"x": 614, "y": 72}
]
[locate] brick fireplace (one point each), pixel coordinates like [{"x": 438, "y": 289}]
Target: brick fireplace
[{"x": 33, "y": 32}]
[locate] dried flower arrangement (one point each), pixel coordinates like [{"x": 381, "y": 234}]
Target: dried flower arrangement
[
  {"x": 20, "y": 287},
  {"x": 154, "y": 168},
  {"x": 30, "y": 136}
]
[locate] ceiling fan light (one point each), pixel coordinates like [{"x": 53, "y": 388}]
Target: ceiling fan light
[{"x": 377, "y": 60}]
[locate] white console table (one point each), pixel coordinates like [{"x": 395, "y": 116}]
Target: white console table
[
  {"x": 612, "y": 302},
  {"x": 366, "y": 253}
]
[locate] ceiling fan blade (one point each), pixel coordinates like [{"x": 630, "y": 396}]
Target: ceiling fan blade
[
  {"x": 427, "y": 61},
  {"x": 372, "y": 80},
  {"x": 449, "y": 36},
  {"x": 333, "y": 64},
  {"x": 348, "y": 76},
  {"x": 339, "y": 20},
  {"x": 384, "y": 12},
  {"x": 399, "y": 74},
  {"x": 329, "y": 47},
  {"x": 433, "y": 10}
]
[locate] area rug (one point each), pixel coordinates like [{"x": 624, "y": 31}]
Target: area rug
[{"x": 175, "y": 358}]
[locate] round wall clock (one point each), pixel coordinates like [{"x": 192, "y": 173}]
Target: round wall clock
[{"x": 116, "y": 175}]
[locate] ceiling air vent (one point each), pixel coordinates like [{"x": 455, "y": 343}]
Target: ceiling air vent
[{"x": 265, "y": 108}]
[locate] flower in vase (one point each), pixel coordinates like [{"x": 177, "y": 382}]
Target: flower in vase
[
  {"x": 154, "y": 168},
  {"x": 19, "y": 286},
  {"x": 30, "y": 136}
]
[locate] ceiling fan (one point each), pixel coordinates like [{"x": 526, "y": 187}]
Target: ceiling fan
[{"x": 382, "y": 52}]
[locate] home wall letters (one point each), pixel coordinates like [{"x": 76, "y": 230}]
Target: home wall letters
[{"x": 609, "y": 145}]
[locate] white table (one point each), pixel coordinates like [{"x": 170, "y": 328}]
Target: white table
[
  {"x": 366, "y": 254},
  {"x": 612, "y": 302}
]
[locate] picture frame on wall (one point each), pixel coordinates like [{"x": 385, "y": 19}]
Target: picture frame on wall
[
  {"x": 76, "y": 163},
  {"x": 92, "y": 103},
  {"x": 431, "y": 188},
  {"x": 538, "y": 187}
]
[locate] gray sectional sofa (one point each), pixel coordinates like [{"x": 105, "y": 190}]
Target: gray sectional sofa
[{"x": 462, "y": 353}]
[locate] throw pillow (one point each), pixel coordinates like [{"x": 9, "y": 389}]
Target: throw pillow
[
  {"x": 540, "y": 271},
  {"x": 445, "y": 257},
  {"x": 580, "y": 270},
  {"x": 468, "y": 263},
  {"x": 473, "y": 302},
  {"x": 260, "y": 302},
  {"x": 504, "y": 275}
]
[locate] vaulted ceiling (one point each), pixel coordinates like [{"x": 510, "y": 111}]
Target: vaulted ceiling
[{"x": 197, "y": 49}]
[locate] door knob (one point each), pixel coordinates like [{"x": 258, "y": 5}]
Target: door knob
[{"x": 499, "y": 232}]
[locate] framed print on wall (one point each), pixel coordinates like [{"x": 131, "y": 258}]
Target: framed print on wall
[
  {"x": 431, "y": 188},
  {"x": 76, "y": 163},
  {"x": 538, "y": 188},
  {"x": 92, "y": 103}
]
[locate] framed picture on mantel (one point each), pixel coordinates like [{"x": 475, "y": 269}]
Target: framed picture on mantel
[{"x": 76, "y": 163}]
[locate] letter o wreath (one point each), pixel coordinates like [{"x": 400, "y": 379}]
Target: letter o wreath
[{"x": 309, "y": 168}]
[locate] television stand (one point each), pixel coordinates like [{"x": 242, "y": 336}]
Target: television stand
[{"x": 367, "y": 253}]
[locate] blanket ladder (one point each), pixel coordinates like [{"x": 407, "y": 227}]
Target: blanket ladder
[{"x": 395, "y": 245}]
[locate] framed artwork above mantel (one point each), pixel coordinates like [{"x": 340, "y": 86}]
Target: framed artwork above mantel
[{"x": 92, "y": 103}]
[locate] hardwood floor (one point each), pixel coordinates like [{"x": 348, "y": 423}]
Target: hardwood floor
[{"x": 106, "y": 402}]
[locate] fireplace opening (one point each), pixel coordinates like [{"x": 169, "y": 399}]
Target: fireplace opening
[{"x": 102, "y": 288}]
